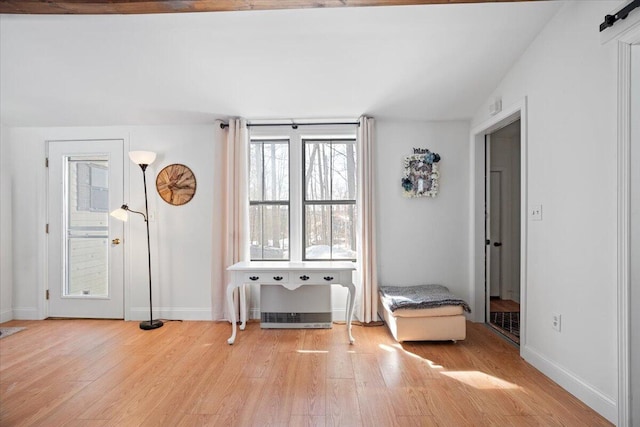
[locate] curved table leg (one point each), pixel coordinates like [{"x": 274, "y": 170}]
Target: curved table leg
[
  {"x": 243, "y": 307},
  {"x": 232, "y": 312},
  {"x": 350, "y": 306}
]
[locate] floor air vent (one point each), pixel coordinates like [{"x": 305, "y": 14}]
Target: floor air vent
[{"x": 295, "y": 320}]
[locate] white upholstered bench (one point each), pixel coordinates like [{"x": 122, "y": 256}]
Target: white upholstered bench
[{"x": 438, "y": 323}]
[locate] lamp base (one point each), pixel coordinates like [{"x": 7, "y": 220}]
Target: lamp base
[{"x": 151, "y": 324}]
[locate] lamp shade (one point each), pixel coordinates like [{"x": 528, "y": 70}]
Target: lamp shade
[
  {"x": 120, "y": 214},
  {"x": 142, "y": 157}
]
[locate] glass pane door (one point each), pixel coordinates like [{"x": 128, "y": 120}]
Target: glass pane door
[
  {"x": 87, "y": 227},
  {"x": 85, "y": 244}
]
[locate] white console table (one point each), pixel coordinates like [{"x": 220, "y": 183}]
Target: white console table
[{"x": 291, "y": 275}]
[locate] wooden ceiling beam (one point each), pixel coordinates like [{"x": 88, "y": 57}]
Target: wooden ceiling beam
[{"x": 107, "y": 7}]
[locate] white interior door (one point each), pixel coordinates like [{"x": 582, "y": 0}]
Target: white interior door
[
  {"x": 496, "y": 233},
  {"x": 487, "y": 226},
  {"x": 85, "y": 256}
]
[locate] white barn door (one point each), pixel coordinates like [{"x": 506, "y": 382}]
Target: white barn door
[{"x": 635, "y": 237}]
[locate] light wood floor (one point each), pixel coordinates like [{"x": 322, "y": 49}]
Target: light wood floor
[
  {"x": 111, "y": 373},
  {"x": 503, "y": 305}
]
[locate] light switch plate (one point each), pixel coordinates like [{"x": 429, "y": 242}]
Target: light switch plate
[{"x": 535, "y": 213}]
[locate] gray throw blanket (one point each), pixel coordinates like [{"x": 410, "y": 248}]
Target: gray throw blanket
[{"x": 420, "y": 296}]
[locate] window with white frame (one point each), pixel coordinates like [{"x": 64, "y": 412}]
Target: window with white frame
[
  {"x": 269, "y": 198},
  {"x": 329, "y": 199},
  {"x": 302, "y": 193}
]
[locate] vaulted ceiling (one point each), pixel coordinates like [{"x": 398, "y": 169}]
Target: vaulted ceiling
[{"x": 420, "y": 62}]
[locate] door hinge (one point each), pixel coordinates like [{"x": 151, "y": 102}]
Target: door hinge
[
  {"x": 46, "y": 162},
  {"x": 46, "y": 228},
  {"x": 46, "y": 294}
]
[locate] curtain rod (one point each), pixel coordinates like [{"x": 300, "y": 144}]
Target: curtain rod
[
  {"x": 293, "y": 125},
  {"x": 609, "y": 20}
]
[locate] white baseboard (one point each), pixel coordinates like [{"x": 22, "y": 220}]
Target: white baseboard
[
  {"x": 170, "y": 313},
  {"x": 6, "y": 315},
  {"x": 26, "y": 313},
  {"x": 594, "y": 398}
]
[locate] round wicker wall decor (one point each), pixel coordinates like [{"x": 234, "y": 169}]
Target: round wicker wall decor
[{"x": 176, "y": 184}]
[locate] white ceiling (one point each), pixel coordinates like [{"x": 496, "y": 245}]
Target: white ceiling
[{"x": 437, "y": 62}]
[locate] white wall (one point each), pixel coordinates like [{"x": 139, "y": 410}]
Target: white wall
[
  {"x": 25, "y": 173},
  {"x": 180, "y": 236},
  {"x": 569, "y": 79},
  {"x": 6, "y": 288},
  {"x": 423, "y": 240}
]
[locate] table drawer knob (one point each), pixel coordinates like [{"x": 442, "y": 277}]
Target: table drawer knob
[
  {"x": 305, "y": 277},
  {"x": 277, "y": 278},
  {"x": 328, "y": 278},
  {"x": 254, "y": 278}
]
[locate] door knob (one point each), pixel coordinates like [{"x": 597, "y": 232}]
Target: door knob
[
  {"x": 496, "y": 244},
  {"x": 116, "y": 241}
]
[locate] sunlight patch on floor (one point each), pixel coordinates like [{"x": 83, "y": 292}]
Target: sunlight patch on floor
[
  {"x": 475, "y": 379},
  {"x": 396, "y": 348},
  {"x": 480, "y": 380},
  {"x": 387, "y": 348}
]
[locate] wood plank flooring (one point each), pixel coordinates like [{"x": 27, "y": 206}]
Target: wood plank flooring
[
  {"x": 111, "y": 373},
  {"x": 503, "y": 305}
]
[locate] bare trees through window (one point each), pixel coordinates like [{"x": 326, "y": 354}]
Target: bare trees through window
[
  {"x": 269, "y": 199},
  {"x": 329, "y": 199},
  {"x": 302, "y": 195}
]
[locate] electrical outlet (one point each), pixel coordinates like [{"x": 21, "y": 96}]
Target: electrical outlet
[
  {"x": 535, "y": 213},
  {"x": 556, "y": 321}
]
